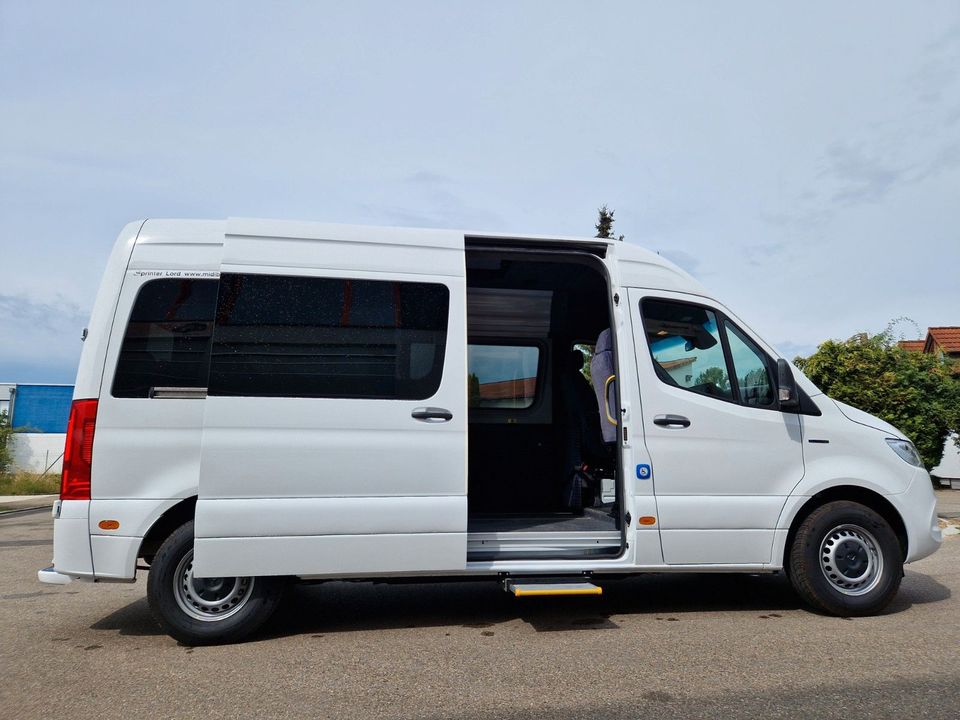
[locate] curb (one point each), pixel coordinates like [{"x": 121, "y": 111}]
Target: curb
[
  {"x": 35, "y": 502},
  {"x": 22, "y": 511}
]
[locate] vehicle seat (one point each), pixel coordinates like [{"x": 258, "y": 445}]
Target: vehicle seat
[{"x": 601, "y": 370}]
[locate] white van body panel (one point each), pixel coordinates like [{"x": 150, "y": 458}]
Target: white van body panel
[
  {"x": 640, "y": 268},
  {"x": 72, "y": 553},
  {"x": 842, "y": 452},
  {"x": 71, "y": 539},
  {"x": 148, "y": 449},
  {"x": 392, "y": 505},
  {"x": 395, "y": 486},
  {"x": 147, "y": 452},
  {"x": 93, "y": 357}
]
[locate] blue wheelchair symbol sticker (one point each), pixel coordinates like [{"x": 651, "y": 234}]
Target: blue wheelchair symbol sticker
[{"x": 643, "y": 472}]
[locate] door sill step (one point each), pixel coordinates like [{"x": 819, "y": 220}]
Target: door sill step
[{"x": 534, "y": 588}]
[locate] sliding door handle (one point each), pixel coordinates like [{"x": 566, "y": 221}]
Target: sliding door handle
[
  {"x": 671, "y": 421},
  {"x": 432, "y": 414}
]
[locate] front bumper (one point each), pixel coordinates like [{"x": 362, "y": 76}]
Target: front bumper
[{"x": 918, "y": 508}]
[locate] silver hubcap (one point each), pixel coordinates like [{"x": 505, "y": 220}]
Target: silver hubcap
[
  {"x": 209, "y": 599},
  {"x": 851, "y": 560}
]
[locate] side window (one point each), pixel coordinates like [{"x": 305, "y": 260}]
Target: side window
[
  {"x": 279, "y": 336},
  {"x": 685, "y": 343},
  {"x": 502, "y": 376},
  {"x": 750, "y": 367},
  {"x": 167, "y": 340}
]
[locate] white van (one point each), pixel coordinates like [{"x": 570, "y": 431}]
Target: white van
[{"x": 259, "y": 401}]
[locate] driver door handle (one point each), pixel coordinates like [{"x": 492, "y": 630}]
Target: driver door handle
[
  {"x": 671, "y": 421},
  {"x": 432, "y": 414}
]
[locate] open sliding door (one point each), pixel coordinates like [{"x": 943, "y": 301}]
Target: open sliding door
[{"x": 334, "y": 431}]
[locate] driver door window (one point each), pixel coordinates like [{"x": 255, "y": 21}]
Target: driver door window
[
  {"x": 685, "y": 343},
  {"x": 754, "y": 381}
]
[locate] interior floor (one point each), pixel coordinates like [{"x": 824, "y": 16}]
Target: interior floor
[{"x": 593, "y": 519}]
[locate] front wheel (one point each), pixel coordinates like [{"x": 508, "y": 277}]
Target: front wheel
[
  {"x": 204, "y": 611},
  {"x": 846, "y": 560}
]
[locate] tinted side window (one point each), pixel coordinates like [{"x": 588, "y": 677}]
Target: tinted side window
[
  {"x": 167, "y": 340},
  {"x": 685, "y": 343},
  {"x": 279, "y": 336},
  {"x": 750, "y": 365},
  {"x": 502, "y": 376}
]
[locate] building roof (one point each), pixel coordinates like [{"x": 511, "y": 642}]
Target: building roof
[
  {"x": 509, "y": 389},
  {"x": 679, "y": 362},
  {"x": 947, "y": 338},
  {"x": 912, "y": 345}
]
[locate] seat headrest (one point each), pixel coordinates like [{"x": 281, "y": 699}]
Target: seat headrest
[{"x": 604, "y": 342}]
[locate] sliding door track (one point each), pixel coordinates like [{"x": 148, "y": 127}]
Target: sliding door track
[{"x": 541, "y": 545}]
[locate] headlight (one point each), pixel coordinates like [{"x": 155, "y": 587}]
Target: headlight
[{"x": 907, "y": 452}]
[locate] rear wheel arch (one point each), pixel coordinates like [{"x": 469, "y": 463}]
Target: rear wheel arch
[
  {"x": 164, "y": 526},
  {"x": 852, "y": 493}
]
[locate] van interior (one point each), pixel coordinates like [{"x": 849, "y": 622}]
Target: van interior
[{"x": 542, "y": 481}]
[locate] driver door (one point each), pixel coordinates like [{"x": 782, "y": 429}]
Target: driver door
[{"x": 724, "y": 457}]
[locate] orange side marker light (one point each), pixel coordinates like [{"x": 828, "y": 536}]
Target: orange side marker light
[
  {"x": 109, "y": 524},
  {"x": 648, "y": 520}
]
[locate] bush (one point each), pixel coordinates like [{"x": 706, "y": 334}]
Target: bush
[
  {"x": 24, "y": 483},
  {"x": 6, "y": 446},
  {"x": 915, "y": 392}
]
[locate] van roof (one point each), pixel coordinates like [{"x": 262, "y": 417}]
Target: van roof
[{"x": 640, "y": 267}]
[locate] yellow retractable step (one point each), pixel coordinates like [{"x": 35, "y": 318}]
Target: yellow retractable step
[{"x": 532, "y": 588}]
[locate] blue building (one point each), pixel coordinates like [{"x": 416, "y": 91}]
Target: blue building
[
  {"x": 40, "y": 414},
  {"x": 40, "y": 408}
]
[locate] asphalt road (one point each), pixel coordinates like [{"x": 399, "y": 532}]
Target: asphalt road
[{"x": 656, "y": 646}]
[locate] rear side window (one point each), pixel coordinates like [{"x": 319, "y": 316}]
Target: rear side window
[
  {"x": 280, "y": 336},
  {"x": 502, "y": 376},
  {"x": 167, "y": 340}
]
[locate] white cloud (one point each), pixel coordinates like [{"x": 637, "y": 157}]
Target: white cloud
[{"x": 802, "y": 161}]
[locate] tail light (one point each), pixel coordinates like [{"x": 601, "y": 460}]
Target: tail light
[{"x": 78, "y": 454}]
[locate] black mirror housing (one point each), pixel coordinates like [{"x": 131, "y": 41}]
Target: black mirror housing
[{"x": 787, "y": 392}]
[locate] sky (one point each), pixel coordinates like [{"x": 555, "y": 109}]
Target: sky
[{"x": 802, "y": 161}]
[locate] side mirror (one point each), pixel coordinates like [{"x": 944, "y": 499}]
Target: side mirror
[{"x": 786, "y": 386}]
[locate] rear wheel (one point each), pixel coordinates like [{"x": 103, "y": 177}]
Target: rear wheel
[
  {"x": 200, "y": 611},
  {"x": 846, "y": 560}
]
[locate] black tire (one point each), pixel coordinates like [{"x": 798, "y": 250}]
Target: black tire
[
  {"x": 846, "y": 560},
  {"x": 205, "y": 612}
]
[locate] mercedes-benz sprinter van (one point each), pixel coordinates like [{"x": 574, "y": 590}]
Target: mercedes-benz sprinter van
[{"x": 260, "y": 401}]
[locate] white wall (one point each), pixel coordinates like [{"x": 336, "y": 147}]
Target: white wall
[
  {"x": 949, "y": 466},
  {"x": 5, "y": 390},
  {"x": 33, "y": 452}
]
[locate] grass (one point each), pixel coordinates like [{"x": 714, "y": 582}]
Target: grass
[{"x": 24, "y": 483}]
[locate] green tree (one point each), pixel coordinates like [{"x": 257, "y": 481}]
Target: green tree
[
  {"x": 604, "y": 224},
  {"x": 587, "y": 352},
  {"x": 915, "y": 392},
  {"x": 6, "y": 449},
  {"x": 715, "y": 376}
]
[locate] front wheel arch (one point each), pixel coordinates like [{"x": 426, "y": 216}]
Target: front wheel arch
[{"x": 852, "y": 493}]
